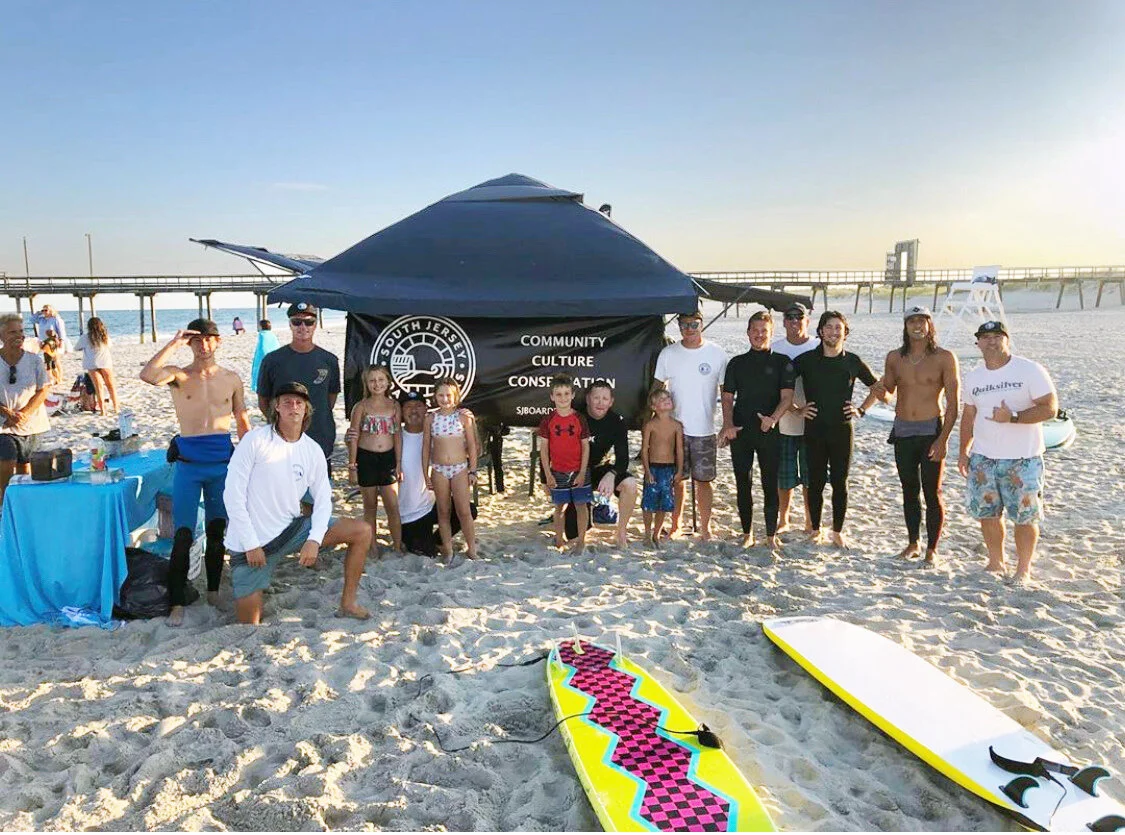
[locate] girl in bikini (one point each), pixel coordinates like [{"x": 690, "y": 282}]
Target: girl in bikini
[
  {"x": 449, "y": 460},
  {"x": 375, "y": 451}
]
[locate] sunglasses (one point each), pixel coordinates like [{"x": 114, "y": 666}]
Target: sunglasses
[
  {"x": 303, "y": 323},
  {"x": 691, "y": 325},
  {"x": 11, "y": 375}
]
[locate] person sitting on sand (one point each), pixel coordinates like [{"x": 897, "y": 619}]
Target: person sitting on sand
[
  {"x": 449, "y": 463},
  {"x": 662, "y": 456},
  {"x": 271, "y": 470},
  {"x": 564, "y": 455},
  {"x": 920, "y": 372},
  {"x": 205, "y": 396},
  {"x": 610, "y": 434},
  {"x": 1006, "y": 401}
]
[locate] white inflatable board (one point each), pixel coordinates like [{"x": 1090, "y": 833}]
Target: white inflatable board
[
  {"x": 1059, "y": 433},
  {"x": 948, "y": 726}
]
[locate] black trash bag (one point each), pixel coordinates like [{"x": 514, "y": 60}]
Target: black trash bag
[{"x": 144, "y": 594}]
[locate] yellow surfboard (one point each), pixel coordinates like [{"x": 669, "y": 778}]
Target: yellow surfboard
[{"x": 638, "y": 774}]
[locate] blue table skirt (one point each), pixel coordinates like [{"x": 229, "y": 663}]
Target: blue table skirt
[{"x": 63, "y": 544}]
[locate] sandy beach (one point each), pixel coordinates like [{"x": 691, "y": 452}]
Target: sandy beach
[{"x": 313, "y": 722}]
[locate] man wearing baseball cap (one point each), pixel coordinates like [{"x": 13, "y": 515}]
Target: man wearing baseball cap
[
  {"x": 920, "y": 371},
  {"x": 305, "y": 362},
  {"x": 205, "y": 396},
  {"x": 793, "y": 468},
  {"x": 272, "y": 468},
  {"x": 1006, "y": 399}
]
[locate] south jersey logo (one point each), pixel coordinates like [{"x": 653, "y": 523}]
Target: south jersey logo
[{"x": 420, "y": 350}]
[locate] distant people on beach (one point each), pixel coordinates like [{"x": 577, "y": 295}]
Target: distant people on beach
[
  {"x": 271, "y": 469},
  {"x": 97, "y": 361},
  {"x": 793, "y": 467},
  {"x": 267, "y": 343},
  {"x": 829, "y": 374},
  {"x": 239, "y": 329},
  {"x": 757, "y": 392},
  {"x": 375, "y": 451},
  {"x": 24, "y": 386},
  {"x": 449, "y": 463},
  {"x": 565, "y": 458},
  {"x": 48, "y": 319},
  {"x": 303, "y": 361},
  {"x": 920, "y": 372},
  {"x": 662, "y": 457},
  {"x": 609, "y": 455},
  {"x": 1006, "y": 400},
  {"x": 205, "y": 396},
  {"x": 693, "y": 370}
]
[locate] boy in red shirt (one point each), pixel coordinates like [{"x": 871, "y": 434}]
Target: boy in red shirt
[{"x": 565, "y": 458}]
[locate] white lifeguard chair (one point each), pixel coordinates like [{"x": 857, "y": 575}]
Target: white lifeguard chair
[{"x": 968, "y": 304}]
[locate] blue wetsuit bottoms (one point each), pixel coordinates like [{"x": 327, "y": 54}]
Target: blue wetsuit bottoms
[{"x": 200, "y": 468}]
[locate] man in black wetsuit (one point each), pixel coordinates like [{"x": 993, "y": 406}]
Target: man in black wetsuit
[
  {"x": 757, "y": 391},
  {"x": 829, "y": 374},
  {"x": 609, "y": 433}
]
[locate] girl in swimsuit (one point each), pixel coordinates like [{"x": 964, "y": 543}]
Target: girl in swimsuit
[
  {"x": 449, "y": 460},
  {"x": 375, "y": 452}
]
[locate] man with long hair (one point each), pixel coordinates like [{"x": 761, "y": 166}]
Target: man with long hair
[
  {"x": 271, "y": 470},
  {"x": 206, "y": 396},
  {"x": 920, "y": 372}
]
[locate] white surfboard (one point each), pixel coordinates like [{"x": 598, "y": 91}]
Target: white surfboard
[
  {"x": 1059, "y": 432},
  {"x": 949, "y": 727},
  {"x": 882, "y": 413}
]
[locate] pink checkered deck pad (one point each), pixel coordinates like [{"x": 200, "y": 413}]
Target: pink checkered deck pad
[{"x": 671, "y": 802}]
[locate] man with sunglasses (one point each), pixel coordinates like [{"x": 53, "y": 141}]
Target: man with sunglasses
[
  {"x": 205, "y": 396},
  {"x": 24, "y": 387},
  {"x": 794, "y": 465},
  {"x": 693, "y": 369},
  {"x": 303, "y": 361}
]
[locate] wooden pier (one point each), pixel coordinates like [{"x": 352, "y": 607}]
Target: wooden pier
[{"x": 926, "y": 283}]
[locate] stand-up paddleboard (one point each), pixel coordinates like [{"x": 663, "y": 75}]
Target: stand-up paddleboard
[
  {"x": 639, "y": 776},
  {"x": 1059, "y": 432},
  {"x": 948, "y": 726}
]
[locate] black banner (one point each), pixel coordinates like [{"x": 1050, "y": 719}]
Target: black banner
[{"x": 505, "y": 365}]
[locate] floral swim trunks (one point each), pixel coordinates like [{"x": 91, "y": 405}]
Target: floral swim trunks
[{"x": 1014, "y": 485}]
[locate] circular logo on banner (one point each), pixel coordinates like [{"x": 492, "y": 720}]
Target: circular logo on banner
[{"x": 420, "y": 350}]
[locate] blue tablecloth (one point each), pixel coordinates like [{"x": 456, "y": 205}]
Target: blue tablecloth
[{"x": 63, "y": 543}]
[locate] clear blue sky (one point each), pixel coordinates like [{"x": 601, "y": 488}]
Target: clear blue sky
[{"x": 730, "y": 135}]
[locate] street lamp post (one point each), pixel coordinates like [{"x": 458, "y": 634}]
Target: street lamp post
[{"x": 90, "y": 254}]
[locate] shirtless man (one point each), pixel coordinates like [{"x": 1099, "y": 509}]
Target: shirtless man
[
  {"x": 920, "y": 371},
  {"x": 205, "y": 396}
]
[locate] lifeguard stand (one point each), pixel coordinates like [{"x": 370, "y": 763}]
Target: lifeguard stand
[{"x": 968, "y": 304}]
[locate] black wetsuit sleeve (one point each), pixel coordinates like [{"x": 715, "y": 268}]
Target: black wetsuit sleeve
[
  {"x": 788, "y": 376},
  {"x": 730, "y": 383},
  {"x": 863, "y": 372}
]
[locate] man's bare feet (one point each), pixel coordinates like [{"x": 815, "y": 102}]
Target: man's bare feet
[
  {"x": 816, "y": 536},
  {"x": 911, "y": 551},
  {"x": 560, "y": 544},
  {"x": 809, "y": 530},
  {"x": 931, "y": 559},
  {"x": 838, "y": 539},
  {"x": 213, "y": 598},
  {"x": 995, "y": 568},
  {"x": 705, "y": 535},
  {"x": 579, "y": 547},
  {"x": 748, "y": 540},
  {"x": 773, "y": 542},
  {"x": 622, "y": 539},
  {"x": 1021, "y": 578},
  {"x": 355, "y": 612},
  {"x": 176, "y": 616},
  {"x": 784, "y": 527}
]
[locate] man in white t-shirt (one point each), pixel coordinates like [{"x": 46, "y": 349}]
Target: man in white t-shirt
[
  {"x": 24, "y": 387},
  {"x": 794, "y": 467},
  {"x": 693, "y": 370},
  {"x": 271, "y": 470},
  {"x": 1006, "y": 401}
]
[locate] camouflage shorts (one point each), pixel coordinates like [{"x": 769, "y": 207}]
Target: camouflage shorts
[{"x": 699, "y": 456}]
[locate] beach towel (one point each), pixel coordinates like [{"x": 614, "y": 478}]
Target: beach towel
[{"x": 267, "y": 341}]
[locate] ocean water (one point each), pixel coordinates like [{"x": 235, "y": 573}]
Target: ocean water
[{"x": 124, "y": 325}]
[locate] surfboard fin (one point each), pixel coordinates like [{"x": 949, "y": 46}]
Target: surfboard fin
[
  {"x": 1087, "y": 779},
  {"x": 1017, "y": 788},
  {"x": 1110, "y": 823}
]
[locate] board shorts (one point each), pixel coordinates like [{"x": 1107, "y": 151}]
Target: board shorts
[
  {"x": 18, "y": 448},
  {"x": 375, "y": 469},
  {"x": 1012, "y": 485},
  {"x": 793, "y": 466},
  {"x": 657, "y": 496},
  {"x": 700, "y": 453},
  {"x": 565, "y": 492},
  {"x": 245, "y": 579}
]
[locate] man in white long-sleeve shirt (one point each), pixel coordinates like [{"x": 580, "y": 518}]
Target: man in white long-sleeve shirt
[{"x": 271, "y": 470}]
